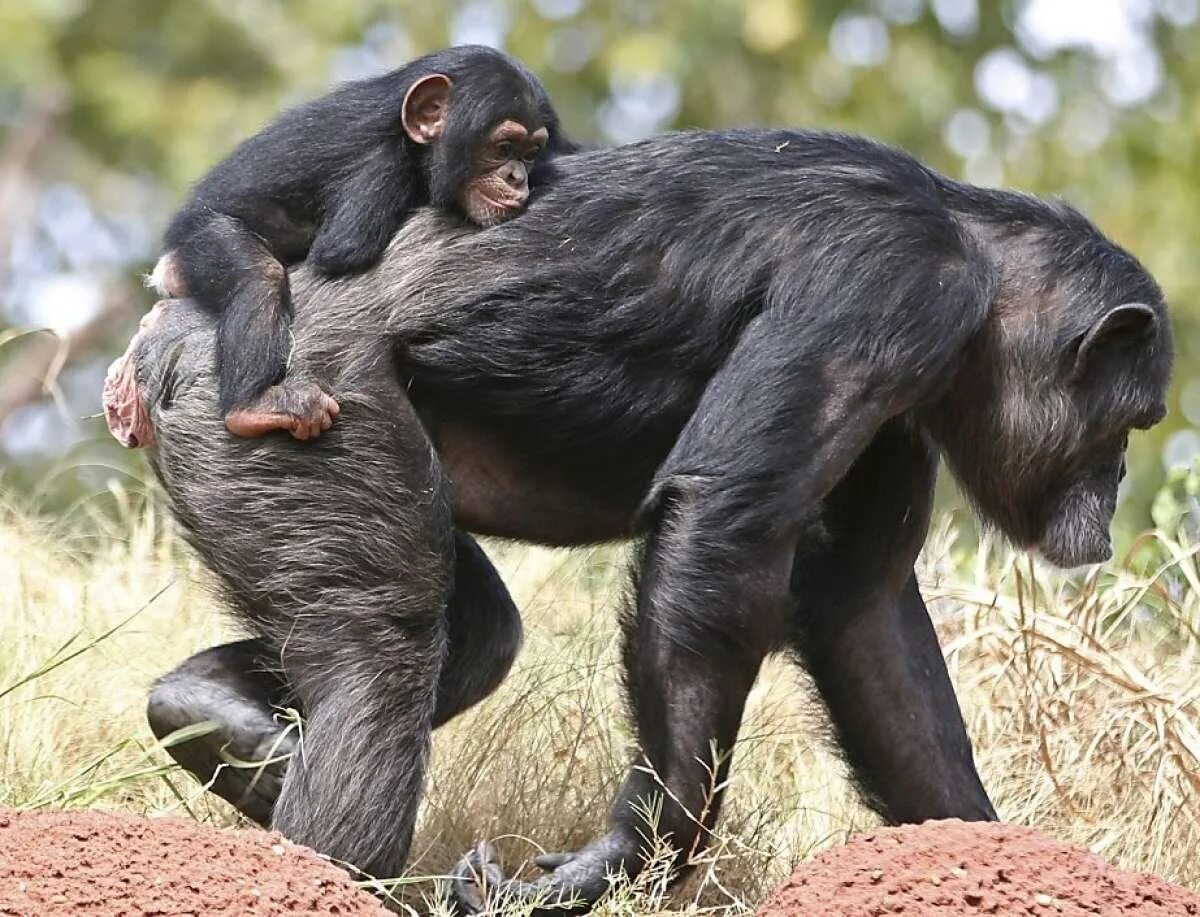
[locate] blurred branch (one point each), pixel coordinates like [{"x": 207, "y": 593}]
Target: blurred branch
[
  {"x": 21, "y": 162},
  {"x": 33, "y": 373},
  {"x": 274, "y": 34}
]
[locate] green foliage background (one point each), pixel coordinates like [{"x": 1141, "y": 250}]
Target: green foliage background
[{"x": 152, "y": 92}]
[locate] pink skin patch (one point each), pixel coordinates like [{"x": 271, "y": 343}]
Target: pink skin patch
[
  {"x": 126, "y": 414},
  {"x": 124, "y": 405}
]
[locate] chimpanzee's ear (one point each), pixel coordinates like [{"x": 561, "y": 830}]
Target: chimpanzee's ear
[
  {"x": 1122, "y": 324},
  {"x": 426, "y": 105}
]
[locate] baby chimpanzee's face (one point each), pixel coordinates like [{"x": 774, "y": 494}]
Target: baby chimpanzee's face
[{"x": 499, "y": 184}]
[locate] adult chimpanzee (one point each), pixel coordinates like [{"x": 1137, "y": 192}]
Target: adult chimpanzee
[
  {"x": 748, "y": 349},
  {"x": 330, "y": 182}
]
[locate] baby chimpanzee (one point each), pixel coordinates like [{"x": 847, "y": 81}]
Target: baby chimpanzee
[{"x": 330, "y": 182}]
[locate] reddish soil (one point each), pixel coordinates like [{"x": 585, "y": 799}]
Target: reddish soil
[
  {"x": 102, "y": 865},
  {"x": 952, "y": 867}
]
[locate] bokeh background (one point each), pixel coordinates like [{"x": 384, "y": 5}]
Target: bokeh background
[{"x": 108, "y": 110}]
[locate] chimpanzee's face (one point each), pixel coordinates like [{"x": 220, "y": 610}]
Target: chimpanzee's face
[{"x": 499, "y": 183}]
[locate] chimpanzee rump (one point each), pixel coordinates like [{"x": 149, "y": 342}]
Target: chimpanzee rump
[
  {"x": 747, "y": 348},
  {"x": 331, "y": 182}
]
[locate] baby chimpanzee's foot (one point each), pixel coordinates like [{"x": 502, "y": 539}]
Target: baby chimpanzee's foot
[{"x": 301, "y": 408}]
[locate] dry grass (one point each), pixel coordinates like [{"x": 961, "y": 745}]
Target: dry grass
[{"x": 1081, "y": 698}]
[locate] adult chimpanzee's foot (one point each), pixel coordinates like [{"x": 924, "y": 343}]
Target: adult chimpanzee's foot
[
  {"x": 575, "y": 881},
  {"x": 301, "y": 408},
  {"x": 244, "y": 757},
  {"x": 476, "y": 879}
]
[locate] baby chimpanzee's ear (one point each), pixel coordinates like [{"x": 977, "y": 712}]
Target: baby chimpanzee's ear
[{"x": 426, "y": 105}]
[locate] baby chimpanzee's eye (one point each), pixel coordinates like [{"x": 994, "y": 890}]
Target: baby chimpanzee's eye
[
  {"x": 504, "y": 149},
  {"x": 533, "y": 154}
]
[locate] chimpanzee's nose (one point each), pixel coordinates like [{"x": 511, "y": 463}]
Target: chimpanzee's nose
[{"x": 516, "y": 175}]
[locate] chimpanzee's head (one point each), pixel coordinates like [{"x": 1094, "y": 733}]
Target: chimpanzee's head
[
  {"x": 1075, "y": 354},
  {"x": 487, "y": 122}
]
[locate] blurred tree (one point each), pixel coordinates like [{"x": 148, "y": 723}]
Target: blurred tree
[{"x": 108, "y": 109}]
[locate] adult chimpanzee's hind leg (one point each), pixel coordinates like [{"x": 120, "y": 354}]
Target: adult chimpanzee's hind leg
[
  {"x": 369, "y": 691},
  {"x": 344, "y": 571},
  {"x": 863, "y": 633},
  {"x": 240, "y": 690},
  {"x": 484, "y": 628}
]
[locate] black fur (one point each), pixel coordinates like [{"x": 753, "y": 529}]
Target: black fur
[
  {"x": 747, "y": 348},
  {"x": 331, "y": 181}
]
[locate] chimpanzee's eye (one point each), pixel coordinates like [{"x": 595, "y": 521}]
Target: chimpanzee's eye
[
  {"x": 504, "y": 149},
  {"x": 533, "y": 154}
]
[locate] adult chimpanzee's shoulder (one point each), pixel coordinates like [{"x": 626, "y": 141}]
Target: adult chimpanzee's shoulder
[{"x": 1058, "y": 242}]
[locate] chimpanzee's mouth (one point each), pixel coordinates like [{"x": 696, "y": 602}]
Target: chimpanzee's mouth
[
  {"x": 505, "y": 205},
  {"x": 497, "y": 211}
]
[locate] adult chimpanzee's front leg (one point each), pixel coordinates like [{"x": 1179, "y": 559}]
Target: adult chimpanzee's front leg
[
  {"x": 863, "y": 633},
  {"x": 775, "y": 431},
  {"x": 705, "y": 617}
]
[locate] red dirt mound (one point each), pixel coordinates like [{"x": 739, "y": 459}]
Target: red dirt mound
[
  {"x": 102, "y": 865},
  {"x": 952, "y": 867}
]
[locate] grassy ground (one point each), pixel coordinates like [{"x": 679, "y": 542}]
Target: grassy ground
[{"x": 1082, "y": 698}]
